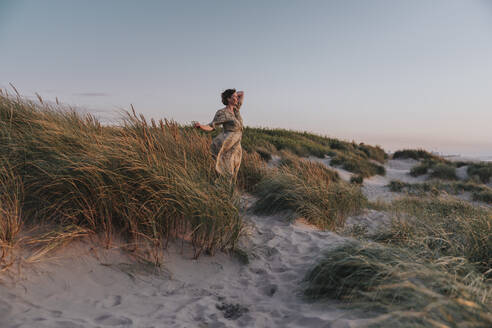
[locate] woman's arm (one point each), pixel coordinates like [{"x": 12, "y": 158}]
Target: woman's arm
[
  {"x": 207, "y": 127},
  {"x": 240, "y": 97}
]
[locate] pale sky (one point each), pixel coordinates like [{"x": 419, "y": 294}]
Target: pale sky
[{"x": 395, "y": 73}]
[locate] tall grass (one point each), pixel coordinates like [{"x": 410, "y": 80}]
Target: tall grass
[
  {"x": 357, "y": 158},
  {"x": 480, "y": 192},
  {"x": 354, "y": 164},
  {"x": 252, "y": 170},
  {"x": 11, "y": 194},
  {"x": 481, "y": 170},
  {"x": 440, "y": 227},
  {"x": 399, "y": 288},
  {"x": 432, "y": 268},
  {"x": 417, "y": 154},
  {"x": 311, "y": 191},
  {"x": 148, "y": 181},
  {"x": 444, "y": 171}
]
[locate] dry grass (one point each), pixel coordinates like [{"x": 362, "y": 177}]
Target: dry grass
[
  {"x": 417, "y": 154},
  {"x": 311, "y": 191},
  {"x": 400, "y": 289},
  {"x": 10, "y": 215},
  {"x": 480, "y": 192},
  {"x": 357, "y": 158},
  {"x": 440, "y": 227},
  {"x": 431, "y": 269},
  {"x": 149, "y": 182}
]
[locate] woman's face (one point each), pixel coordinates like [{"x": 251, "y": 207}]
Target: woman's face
[{"x": 233, "y": 99}]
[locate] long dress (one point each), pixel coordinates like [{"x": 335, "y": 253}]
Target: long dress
[{"x": 226, "y": 146}]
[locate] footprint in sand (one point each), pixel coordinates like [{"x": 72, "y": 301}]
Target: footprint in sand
[
  {"x": 111, "y": 320},
  {"x": 111, "y": 301},
  {"x": 68, "y": 324},
  {"x": 56, "y": 314},
  {"x": 270, "y": 289}
]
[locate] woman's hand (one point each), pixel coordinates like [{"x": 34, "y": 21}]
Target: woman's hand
[{"x": 207, "y": 128}]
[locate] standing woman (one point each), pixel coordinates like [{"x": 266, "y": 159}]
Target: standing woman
[{"x": 226, "y": 147}]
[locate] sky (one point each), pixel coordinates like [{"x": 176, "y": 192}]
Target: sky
[{"x": 399, "y": 74}]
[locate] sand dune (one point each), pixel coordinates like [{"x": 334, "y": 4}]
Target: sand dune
[{"x": 87, "y": 286}]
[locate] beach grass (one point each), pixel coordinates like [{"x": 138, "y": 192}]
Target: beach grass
[
  {"x": 442, "y": 227},
  {"x": 358, "y": 158},
  {"x": 416, "y": 154},
  {"x": 482, "y": 170},
  {"x": 480, "y": 192},
  {"x": 395, "y": 287},
  {"x": 149, "y": 182},
  {"x": 432, "y": 268},
  {"x": 310, "y": 190}
]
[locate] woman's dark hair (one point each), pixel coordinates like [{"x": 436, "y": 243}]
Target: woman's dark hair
[{"x": 226, "y": 95}]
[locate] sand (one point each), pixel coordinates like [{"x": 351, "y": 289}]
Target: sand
[{"x": 86, "y": 286}]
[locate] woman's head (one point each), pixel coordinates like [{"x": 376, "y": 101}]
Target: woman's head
[{"x": 228, "y": 96}]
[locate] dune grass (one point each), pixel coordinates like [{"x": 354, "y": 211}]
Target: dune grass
[
  {"x": 356, "y": 158},
  {"x": 10, "y": 215},
  {"x": 442, "y": 227},
  {"x": 482, "y": 170},
  {"x": 417, "y": 154},
  {"x": 310, "y": 190},
  {"x": 152, "y": 182},
  {"x": 421, "y": 169},
  {"x": 399, "y": 289},
  {"x": 444, "y": 171},
  {"x": 437, "y": 170},
  {"x": 149, "y": 182},
  {"x": 252, "y": 170},
  {"x": 431, "y": 269},
  {"x": 354, "y": 164},
  {"x": 480, "y": 192}
]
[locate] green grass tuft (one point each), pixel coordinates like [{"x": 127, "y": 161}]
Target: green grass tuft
[
  {"x": 399, "y": 288},
  {"x": 482, "y": 170},
  {"x": 417, "y": 154},
  {"x": 311, "y": 191},
  {"x": 444, "y": 171}
]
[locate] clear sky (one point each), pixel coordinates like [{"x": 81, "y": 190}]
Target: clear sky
[{"x": 396, "y": 73}]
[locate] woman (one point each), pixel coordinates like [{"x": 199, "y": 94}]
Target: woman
[{"x": 226, "y": 147}]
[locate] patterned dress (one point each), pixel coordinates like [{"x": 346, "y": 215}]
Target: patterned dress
[{"x": 226, "y": 146}]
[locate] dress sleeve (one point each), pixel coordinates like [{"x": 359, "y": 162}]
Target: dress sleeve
[{"x": 219, "y": 118}]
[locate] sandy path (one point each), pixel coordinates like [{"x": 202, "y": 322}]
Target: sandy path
[{"x": 218, "y": 291}]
